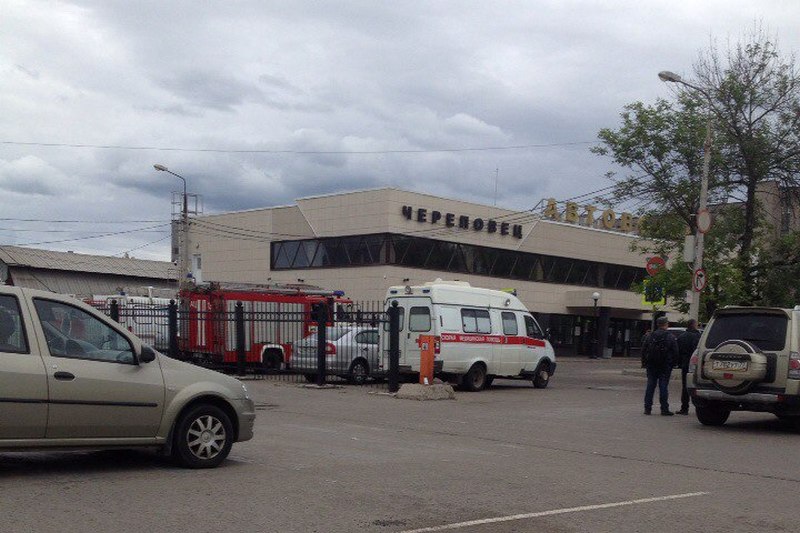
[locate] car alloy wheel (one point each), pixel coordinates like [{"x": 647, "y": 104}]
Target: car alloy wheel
[
  {"x": 206, "y": 437},
  {"x": 203, "y": 437}
]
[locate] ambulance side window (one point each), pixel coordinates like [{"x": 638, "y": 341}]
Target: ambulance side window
[
  {"x": 419, "y": 319},
  {"x": 510, "y": 326},
  {"x": 532, "y": 329},
  {"x": 449, "y": 319},
  {"x": 476, "y": 321}
]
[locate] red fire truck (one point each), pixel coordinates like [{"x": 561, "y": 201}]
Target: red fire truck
[{"x": 276, "y": 317}]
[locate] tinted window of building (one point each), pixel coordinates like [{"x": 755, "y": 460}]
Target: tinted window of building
[
  {"x": 562, "y": 329},
  {"x": 419, "y": 252}
]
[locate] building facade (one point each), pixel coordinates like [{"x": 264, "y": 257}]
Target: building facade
[{"x": 362, "y": 242}]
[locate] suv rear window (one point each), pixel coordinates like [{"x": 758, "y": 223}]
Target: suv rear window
[{"x": 768, "y": 332}]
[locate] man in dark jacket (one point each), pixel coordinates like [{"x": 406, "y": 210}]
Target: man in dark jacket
[
  {"x": 687, "y": 342},
  {"x": 661, "y": 352}
]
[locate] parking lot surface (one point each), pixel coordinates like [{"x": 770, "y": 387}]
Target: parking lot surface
[{"x": 577, "y": 456}]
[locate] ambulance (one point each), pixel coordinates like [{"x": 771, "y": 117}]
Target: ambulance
[{"x": 481, "y": 334}]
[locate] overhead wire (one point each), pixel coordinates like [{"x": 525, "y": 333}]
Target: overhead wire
[
  {"x": 145, "y": 245},
  {"x": 296, "y": 152},
  {"x": 82, "y": 221},
  {"x": 34, "y": 230},
  {"x": 109, "y": 234}
]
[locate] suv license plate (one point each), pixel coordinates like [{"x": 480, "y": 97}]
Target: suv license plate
[{"x": 732, "y": 366}]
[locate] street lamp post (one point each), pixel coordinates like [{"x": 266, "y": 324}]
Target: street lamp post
[
  {"x": 671, "y": 77},
  {"x": 183, "y": 255},
  {"x": 595, "y": 354}
]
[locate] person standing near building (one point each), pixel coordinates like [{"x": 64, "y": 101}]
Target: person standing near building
[
  {"x": 687, "y": 342},
  {"x": 660, "y": 353}
]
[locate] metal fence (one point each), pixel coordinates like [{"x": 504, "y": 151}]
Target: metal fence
[{"x": 357, "y": 344}]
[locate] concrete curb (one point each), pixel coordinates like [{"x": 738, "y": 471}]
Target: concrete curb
[{"x": 415, "y": 391}]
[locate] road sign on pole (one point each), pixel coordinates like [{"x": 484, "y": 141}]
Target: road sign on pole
[
  {"x": 654, "y": 265},
  {"x": 699, "y": 280},
  {"x": 652, "y": 294},
  {"x": 703, "y": 221}
]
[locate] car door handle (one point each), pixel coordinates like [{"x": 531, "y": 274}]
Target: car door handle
[{"x": 64, "y": 376}]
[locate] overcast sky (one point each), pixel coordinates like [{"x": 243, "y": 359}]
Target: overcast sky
[{"x": 252, "y": 95}]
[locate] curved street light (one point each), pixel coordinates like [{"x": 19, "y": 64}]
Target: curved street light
[
  {"x": 183, "y": 256},
  {"x": 671, "y": 77}
]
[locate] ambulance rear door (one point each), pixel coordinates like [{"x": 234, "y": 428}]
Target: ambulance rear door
[{"x": 415, "y": 320}]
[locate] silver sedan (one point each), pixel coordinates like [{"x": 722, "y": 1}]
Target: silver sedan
[{"x": 352, "y": 352}]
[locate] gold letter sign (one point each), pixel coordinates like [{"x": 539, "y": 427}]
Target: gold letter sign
[{"x": 607, "y": 220}]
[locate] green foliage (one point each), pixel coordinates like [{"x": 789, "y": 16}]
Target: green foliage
[
  {"x": 751, "y": 99},
  {"x": 662, "y": 143},
  {"x": 780, "y": 275}
]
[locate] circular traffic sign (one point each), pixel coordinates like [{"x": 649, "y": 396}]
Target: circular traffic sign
[
  {"x": 654, "y": 264},
  {"x": 699, "y": 280},
  {"x": 703, "y": 221}
]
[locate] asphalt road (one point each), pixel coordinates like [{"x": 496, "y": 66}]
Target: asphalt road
[{"x": 578, "y": 456}]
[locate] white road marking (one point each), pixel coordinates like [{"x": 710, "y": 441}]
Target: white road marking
[{"x": 525, "y": 516}]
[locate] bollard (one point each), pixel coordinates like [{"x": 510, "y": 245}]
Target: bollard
[
  {"x": 322, "y": 323},
  {"x": 394, "y": 347},
  {"x": 427, "y": 351},
  {"x": 238, "y": 317},
  {"x": 114, "y": 311},
  {"x": 172, "y": 329}
]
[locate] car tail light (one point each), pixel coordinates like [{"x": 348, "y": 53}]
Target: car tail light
[
  {"x": 794, "y": 365},
  {"x": 693, "y": 361},
  {"x": 330, "y": 349}
]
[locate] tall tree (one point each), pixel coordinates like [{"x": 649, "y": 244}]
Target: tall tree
[
  {"x": 755, "y": 101},
  {"x": 752, "y": 96}
]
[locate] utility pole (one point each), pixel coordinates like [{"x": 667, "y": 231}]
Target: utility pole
[{"x": 184, "y": 268}]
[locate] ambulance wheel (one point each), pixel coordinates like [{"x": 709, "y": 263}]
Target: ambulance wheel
[
  {"x": 475, "y": 379},
  {"x": 542, "y": 375}
]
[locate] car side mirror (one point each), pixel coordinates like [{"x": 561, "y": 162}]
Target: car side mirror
[{"x": 146, "y": 354}]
